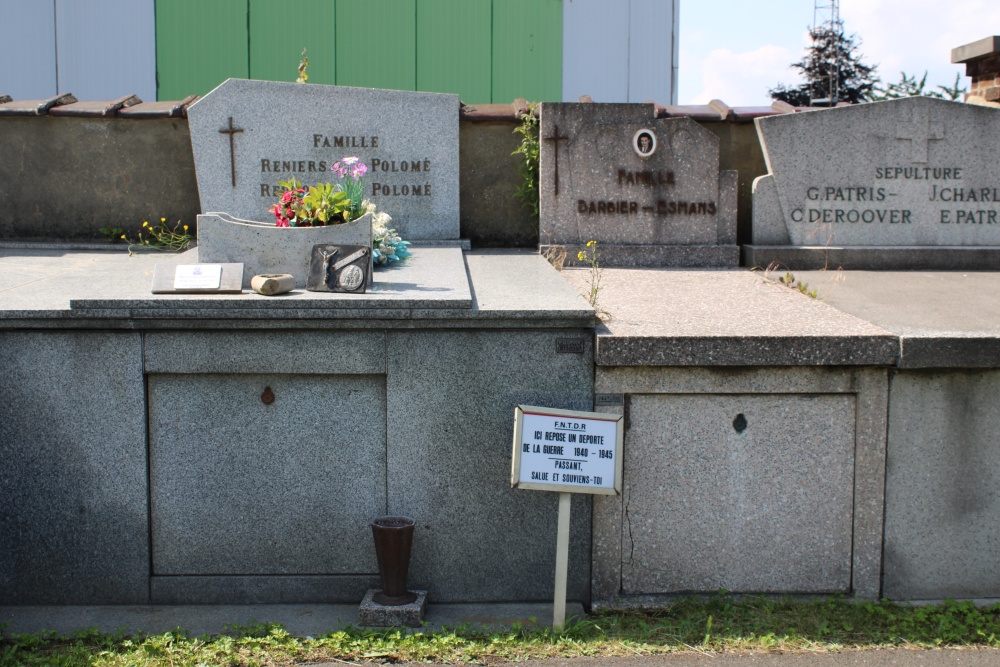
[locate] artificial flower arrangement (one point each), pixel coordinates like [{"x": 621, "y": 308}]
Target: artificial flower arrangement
[
  {"x": 323, "y": 203},
  {"x": 338, "y": 203},
  {"x": 387, "y": 245}
]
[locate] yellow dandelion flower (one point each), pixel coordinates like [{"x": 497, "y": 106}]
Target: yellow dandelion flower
[
  {"x": 163, "y": 219},
  {"x": 579, "y": 255},
  {"x": 146, "y": 223},
  {"x": 591, "y": 243},
  {"x": 123, "y": 236},
  {"x": 185, "y": 228}
]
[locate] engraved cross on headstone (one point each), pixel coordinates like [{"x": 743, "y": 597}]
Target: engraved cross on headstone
[
  {"x": 920, "y": 132},
  {"x": 555, "y": 139},
  {"x": 232, "y": 132}
]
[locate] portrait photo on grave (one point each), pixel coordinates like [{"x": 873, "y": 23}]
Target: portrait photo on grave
[{"x": 644, "y": 143}]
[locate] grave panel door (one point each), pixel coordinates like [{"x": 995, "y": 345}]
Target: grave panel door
[
  {"x": 243, "y": 486},
  {"x": 748, "y": 493}
]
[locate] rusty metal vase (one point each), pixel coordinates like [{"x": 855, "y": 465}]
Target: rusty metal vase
[{"x": 393, "y": 540}]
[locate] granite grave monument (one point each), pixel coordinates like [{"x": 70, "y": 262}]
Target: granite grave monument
[
  {"x": 902, "y": 184},
  {"x": 648, "y": 190}
]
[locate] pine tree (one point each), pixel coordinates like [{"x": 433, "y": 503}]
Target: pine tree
[
  {"x": 908, "y": 86},
  {"x": 832, "y": 52}
]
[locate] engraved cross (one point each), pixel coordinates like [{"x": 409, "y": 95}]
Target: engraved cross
[
  {"x": 555, "y": 139},
  {"x": 232, "y": 132},
  {"x": 920, "y": 132}
]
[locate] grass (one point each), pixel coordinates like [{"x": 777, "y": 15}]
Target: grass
[{"x": 718, "y": 623}]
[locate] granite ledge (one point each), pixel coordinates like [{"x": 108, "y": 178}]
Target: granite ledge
[
  {"x": 746, "y": 351},
  {"x": 439, "y": 288},
  {"x": 286, "y": 319},
  {"x": 664, "y": 317},
  {"x": 944, "y": 319},
  {"x": 879, "y": 258}
]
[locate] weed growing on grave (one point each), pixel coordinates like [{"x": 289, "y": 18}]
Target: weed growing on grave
[
  {"x": 114, "y": 234},
  {"x": 788, "y": 280},
  {"x": 162, "y": 237},
  {"x": 303, "y": 66},
  {"x": 708, "y": 624},
  {"x": 589, "y": 257},
  {"x": 527, "y": 189}
]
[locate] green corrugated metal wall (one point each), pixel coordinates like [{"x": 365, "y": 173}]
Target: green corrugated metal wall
[
  {"x": 527, "y": 50},
  {"x": 453, "y": 48},
  {"x": 276, "y": 43},
  {"x": 376, "y": 43},
  {"x": 483, "y": 50},
  {"x": 199, "y": 45}
]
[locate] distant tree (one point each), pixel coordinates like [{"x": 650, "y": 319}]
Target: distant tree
[
  {"x": 831, "y": 53},
  {"x": 908, "y": 86}
]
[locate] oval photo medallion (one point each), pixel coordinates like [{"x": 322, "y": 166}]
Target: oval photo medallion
[
  {"x": 644, "y": 143},
  {"x": 351, "y": 277}
]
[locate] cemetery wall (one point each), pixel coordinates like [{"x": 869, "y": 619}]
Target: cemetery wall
[
  {"x": 73, "y": 176},
  {"x": 64, "y": 178}
]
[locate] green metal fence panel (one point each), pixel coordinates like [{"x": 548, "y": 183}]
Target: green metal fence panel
[
  {"x": 454, "y": 48},
  {"x": 199, "y": 45},
  {"x": 376, "y": 44},
  {"x": 527, "y": 50},
  {"x": 279, "y": 30}
]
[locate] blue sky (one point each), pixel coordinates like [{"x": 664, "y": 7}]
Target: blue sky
[{"x": 736, "y": 50}]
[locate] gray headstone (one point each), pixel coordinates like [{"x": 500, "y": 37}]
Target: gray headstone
[
  {"x": 249, "y": 135},
  {"x": 648, "y": 190},
  {"x": 915, "y": 172}
]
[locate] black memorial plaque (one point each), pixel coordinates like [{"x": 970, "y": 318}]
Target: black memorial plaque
[{"x": 339, "y": 268}]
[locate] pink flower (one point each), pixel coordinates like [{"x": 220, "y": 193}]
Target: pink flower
[
  {"x": 359, "y": 170},
  {"x": 281, "y": 222},
  {"x": 350, "y": 160},
  {"x": 339, "y": 169}
]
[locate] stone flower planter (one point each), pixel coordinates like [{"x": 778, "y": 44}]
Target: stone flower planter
[{"x": 265, "y": 248}]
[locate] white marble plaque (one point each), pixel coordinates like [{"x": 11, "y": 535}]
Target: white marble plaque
[{"x": 198, "y": 276}]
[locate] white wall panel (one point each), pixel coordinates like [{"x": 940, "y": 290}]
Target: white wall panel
[
  {"x": 595, "y": 49},
  {"x": 27, "y": 49},
  {"x": 106, "y": 48},
  {"x": 652, "y": 48}
]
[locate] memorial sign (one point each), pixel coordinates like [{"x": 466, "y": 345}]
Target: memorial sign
[
  {"x": 569, "y": 452},
  {"x": 886, "y": 185},
  {"x": 247, "y": 136},
  {"x": 648, "y": 190},
  {"x": 566, "y": 451}
]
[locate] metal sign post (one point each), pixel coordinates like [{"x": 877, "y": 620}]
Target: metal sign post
[{"x": 566, "y": 451}]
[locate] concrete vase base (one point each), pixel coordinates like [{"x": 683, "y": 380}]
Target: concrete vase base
[{"x": 374, "y": 614}]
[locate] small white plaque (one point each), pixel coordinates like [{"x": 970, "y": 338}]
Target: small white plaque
[
  {"x": 198, "y": 276},
  {"x": 566, "y": 451}
]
